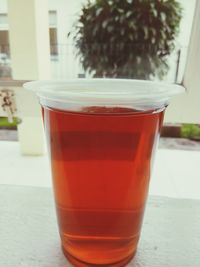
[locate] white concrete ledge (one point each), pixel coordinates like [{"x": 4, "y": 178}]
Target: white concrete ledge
[
  {"x": 29, "y": 235},
  {"x": 176, "y": 172}
]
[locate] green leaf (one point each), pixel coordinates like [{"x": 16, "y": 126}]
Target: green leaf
[
  {"x": 164, "y": 36},
  {"x": 105, "y": 24},
  {"x": 110, "y": 28},
  {"x": 138, "y": 59},
  {"x": 89, "y": 17},
  {"x": 146, "y": 33},
  {"x": 155, "y": 12},
  {"x": 95, "y": 30},
  {"x": 152, "y": 5},
  {"x": 110, "y": 2},
  {"x": 163, "y": 16},
  {"x": 132, "y": 25},
  {"x": 154, "y": 32},
  {"x": 120, "y": 10},
  {"x": 122, "y": 31},
  {"x": 128, "y": 14},
  {"x": 99, "y": 10},
  {"x": 122, "y": 19},
  {"x": 131, "y": 37}
]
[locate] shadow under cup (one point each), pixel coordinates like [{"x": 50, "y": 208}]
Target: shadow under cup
[{"x": 101, "y": 136}]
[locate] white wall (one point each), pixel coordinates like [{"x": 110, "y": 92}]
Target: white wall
[
  {"x": 29, "y": 39},
  {"x": 3, "y": 10},
  {"x": 3, "y": 6},
  {"x": 185, "y": 32},
  {"x": 186, "y": 108},
  {"x": 67, "y": 66}
]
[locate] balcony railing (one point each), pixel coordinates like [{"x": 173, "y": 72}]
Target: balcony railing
[{"x": 65, "y": 64}]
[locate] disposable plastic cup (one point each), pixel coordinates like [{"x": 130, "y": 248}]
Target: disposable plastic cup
[{"x": 101, "y": 135}]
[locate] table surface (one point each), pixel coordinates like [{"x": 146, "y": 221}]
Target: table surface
[{"x": 29, "y": 235}]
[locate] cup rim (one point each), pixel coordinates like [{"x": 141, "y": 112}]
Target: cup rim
[{"x": 104, "y": 91}]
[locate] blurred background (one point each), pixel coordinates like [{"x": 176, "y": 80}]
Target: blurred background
[
  {"x": 62, "y": 16},
  {"x": 64, "y": 39}
]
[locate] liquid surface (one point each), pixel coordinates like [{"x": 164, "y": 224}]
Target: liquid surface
[{"x": 101, "y": 165}]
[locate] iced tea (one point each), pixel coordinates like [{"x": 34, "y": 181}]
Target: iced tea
[{"x": 101, "y": 165}]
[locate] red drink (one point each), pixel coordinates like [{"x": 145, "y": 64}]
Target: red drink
[
  {"x": 101, "y": 165},
  {"x": 101, "y": 156}
]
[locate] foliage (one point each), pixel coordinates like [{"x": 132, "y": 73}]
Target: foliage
[
  {"x": 127, "y": 38},
  {"x": 190, "y": 130},
  {"x": 4, "y": 123}
]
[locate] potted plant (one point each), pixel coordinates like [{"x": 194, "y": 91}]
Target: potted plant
[{"x": 127, "y": 38}]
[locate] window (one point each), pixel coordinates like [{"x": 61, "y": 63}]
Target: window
[
  {"x": 4, "y": 43},
  {"x": 4, "y": 37},
  {"x": 3, "y": 19},
  {"x": 53, "y": 41},
  {"x": 53, "y": 33}
]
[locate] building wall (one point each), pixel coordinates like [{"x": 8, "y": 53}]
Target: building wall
[
  {"x": 66, "y": 65},
  {"x": 3, "y": 6}
]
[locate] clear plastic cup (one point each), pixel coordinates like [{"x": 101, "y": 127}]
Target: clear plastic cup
[{"x": 102, "y": 135}]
